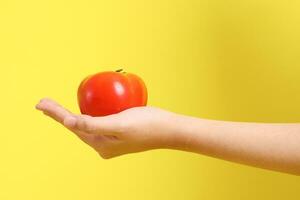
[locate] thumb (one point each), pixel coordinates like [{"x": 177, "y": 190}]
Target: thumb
[{"x": 108, "y": 125}]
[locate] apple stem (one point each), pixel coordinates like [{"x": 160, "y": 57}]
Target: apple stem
[{"x": 119, "y": 70}]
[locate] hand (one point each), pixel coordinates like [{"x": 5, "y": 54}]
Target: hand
[
  {"x": 270, "y": 146},
  {"x": 133, "y": 130}
]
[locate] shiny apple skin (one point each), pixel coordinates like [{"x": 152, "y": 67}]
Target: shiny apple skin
[{"x": 110, "y": 92}]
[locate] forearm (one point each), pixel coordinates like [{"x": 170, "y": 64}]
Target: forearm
[{"x": 270, "y": 146}]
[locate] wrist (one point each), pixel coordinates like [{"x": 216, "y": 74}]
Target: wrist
[{"x": 181, "y": 132}]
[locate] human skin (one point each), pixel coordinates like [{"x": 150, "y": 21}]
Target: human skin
[{"x": 274, "y": 146}]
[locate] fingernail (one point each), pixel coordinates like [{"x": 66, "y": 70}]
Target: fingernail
[{"x": 70, "y": 121}]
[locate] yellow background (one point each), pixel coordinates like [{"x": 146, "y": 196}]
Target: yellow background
[{"x": 228, "y": 60}]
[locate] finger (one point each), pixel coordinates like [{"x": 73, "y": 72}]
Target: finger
[
  {"x": 90, "y": 139},
  {"x": 107, "y": 125},
  {"x": 65, "y": 117},
  {"x": 53, "y": 109}
]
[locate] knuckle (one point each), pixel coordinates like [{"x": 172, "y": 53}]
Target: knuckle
[
  {"x": 124, "y": 126},
  {"x": 82, "y": 124}
]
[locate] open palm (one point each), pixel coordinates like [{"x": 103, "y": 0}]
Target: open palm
[{"x": 133, "y": 130}]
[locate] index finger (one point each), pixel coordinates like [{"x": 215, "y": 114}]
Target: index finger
[{"x": 53, "y": 109}]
